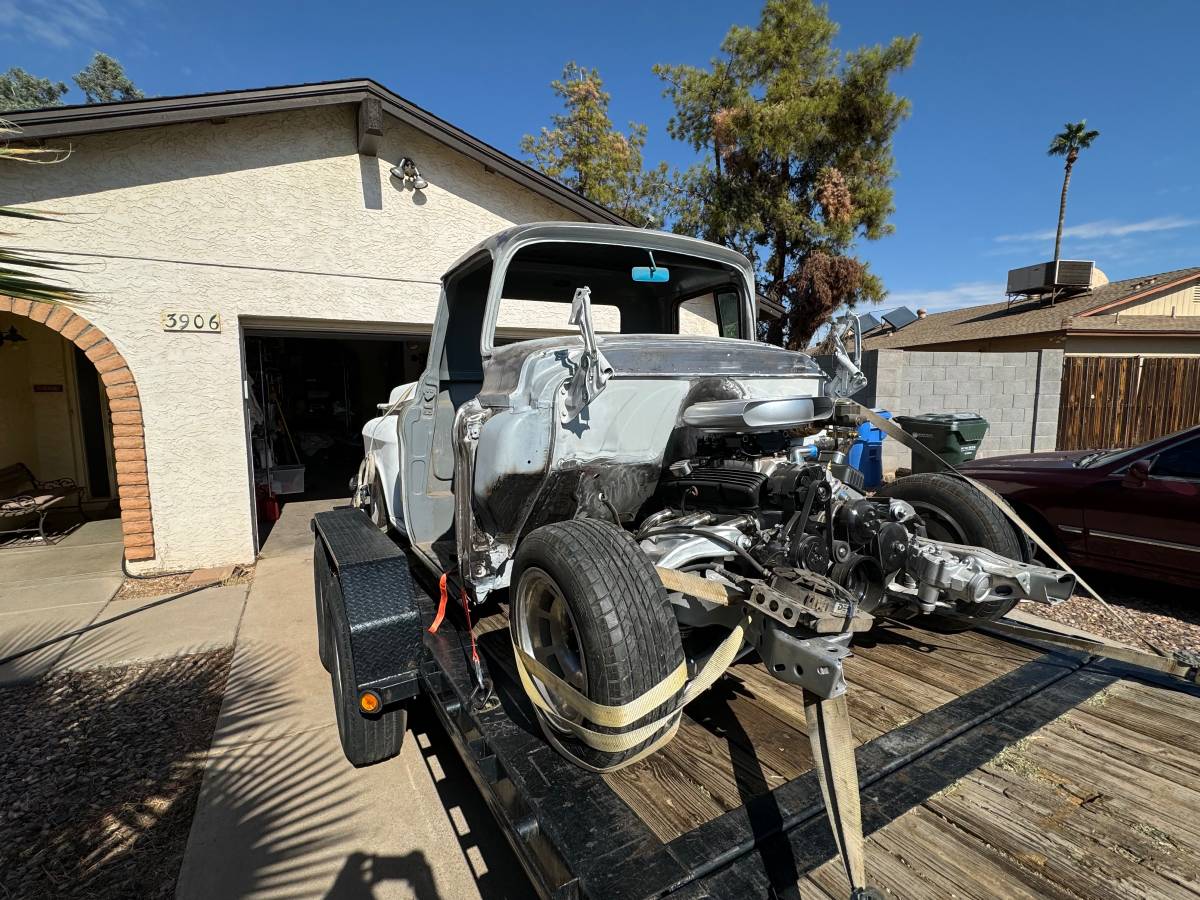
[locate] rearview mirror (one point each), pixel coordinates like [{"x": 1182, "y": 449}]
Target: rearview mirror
[
  {"x": 651, "y": 275},
  {"x": 1137, "y": 474}
]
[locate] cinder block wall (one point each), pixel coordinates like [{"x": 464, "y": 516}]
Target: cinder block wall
[{"x": 1017, "y": 393}]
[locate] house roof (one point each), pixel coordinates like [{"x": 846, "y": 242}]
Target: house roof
[
  {"x": 997, "y": 320},
  {"x": 1151, "y": 324},
  {"x": 65, "y": 121}
]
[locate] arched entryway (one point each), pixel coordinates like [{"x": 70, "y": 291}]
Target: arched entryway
[{"x": 125, "y": 410}]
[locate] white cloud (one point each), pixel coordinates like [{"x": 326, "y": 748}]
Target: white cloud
[
  {"x": 968, "y": 293},
  {"x": 1103, "y": 228},
  {"x": 60, "y": 23}
]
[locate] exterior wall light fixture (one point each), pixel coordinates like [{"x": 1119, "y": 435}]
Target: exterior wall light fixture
[
  {"x": 406, "y": 170},
  {"x": 12, "y": 336}
]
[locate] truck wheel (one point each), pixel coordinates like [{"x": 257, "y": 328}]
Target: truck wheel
[
  {"x": 954, "y": 511},
  {"x": 322, "y": 576},
  {"x": 588, "y": 605},
  {"x": 366, "y": 739}
]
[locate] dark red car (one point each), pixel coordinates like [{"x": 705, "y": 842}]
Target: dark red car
[{"x": 1135, "y": 511}]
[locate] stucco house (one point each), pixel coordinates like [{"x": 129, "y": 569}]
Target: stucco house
[
  {"x": 249, "y": 256},
  {"x": 1152, "y": 315}
]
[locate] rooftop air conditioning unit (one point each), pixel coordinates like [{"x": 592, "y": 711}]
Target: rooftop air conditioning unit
[{"x": 1046, "y": 278}]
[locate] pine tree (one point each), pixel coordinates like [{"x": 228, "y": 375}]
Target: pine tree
[
  {"x": 797, "y": 143},
  {"x": 585, "y": 152},
  {"x": 20, "y": 90},
  {"x": 104, "y": 80}
]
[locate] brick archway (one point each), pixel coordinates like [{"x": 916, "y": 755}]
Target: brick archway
[{"x": 125, "y": 407}]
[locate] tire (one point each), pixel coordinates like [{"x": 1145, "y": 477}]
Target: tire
[
  {"x": 626, "y": 635},
  {"x": 955, "y": 511},
  {"x": 379, "y": 511},
  {"x": 366, "y": 740},
  {"x": 321, "y": 578}
]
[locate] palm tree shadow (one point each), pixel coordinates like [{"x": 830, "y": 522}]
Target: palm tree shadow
[
  {"x": 127, "y": 745},
  {"x": 275, "y": 810}
]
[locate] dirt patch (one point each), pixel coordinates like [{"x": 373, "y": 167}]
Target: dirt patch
[
  {"x": 1167, "y": 616},
  {"x": 101, "y": 774},
  {"x": 138, "y": 588}
]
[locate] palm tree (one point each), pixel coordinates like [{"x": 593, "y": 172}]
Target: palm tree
[{"x": 1073, "y": 138}]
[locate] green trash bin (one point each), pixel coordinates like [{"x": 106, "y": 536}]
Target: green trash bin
[{"x": 955, "y": 437}]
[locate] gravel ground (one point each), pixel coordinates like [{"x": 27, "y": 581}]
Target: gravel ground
[
  {"x": 1167, "y": 616},
  {"x": 101, "y": 771},
  {"x": 137, "y": 588}
]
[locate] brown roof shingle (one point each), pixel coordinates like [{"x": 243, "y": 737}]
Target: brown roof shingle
[
  {"x": 1135, "y": 323},
  {"x": 996, "y": 320}
]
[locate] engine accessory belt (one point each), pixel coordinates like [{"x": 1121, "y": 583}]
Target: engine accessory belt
[{"x": 623, "y": 714}]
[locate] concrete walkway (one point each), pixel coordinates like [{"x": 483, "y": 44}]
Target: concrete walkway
[
  {"x": 49, "y": 591},
  {"x": 282, "y": 814}
]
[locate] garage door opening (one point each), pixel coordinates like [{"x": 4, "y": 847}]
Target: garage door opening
[{"x": 309, "y": 396}]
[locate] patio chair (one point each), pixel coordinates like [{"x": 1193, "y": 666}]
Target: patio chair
[{"x": 22, "y": 496}]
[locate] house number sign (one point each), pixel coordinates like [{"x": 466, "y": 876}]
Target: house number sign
[{"x": 182, "y": 320}]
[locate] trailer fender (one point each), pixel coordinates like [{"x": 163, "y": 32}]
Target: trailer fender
[{"x": 369, "y": 593}]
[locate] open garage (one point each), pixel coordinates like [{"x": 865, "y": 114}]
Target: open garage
[{"x": 310, "y": 394}]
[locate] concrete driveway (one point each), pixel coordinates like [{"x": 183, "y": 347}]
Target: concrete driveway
[
  {"x": 282, "y": 814},
  {"x": 46, "y": 592}
]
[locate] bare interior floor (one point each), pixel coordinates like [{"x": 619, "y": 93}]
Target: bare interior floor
[{"x": 1102, "y": 802}]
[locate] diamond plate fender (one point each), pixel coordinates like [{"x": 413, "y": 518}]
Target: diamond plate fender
[{"x": 367, "y": 588}]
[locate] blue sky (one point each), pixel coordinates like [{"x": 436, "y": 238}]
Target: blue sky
[{"x": 976, "y": 193}]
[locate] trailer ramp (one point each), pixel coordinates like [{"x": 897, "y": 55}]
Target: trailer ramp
[{"x": 988, "y": 767}]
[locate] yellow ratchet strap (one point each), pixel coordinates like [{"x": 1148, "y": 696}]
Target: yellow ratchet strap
[{"x": 624, "y": 714}]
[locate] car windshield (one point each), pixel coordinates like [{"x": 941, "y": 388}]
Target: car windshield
[{"x": 1106, "y": 457}]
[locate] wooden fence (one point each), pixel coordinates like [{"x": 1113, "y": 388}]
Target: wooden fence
[{"x": 1121, "y": 401}]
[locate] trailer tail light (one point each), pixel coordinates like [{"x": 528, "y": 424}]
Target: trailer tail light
[{"x": 369, "y": 702}]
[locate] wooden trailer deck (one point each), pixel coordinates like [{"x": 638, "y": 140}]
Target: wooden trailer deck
[{"x": 990, "y": 768}]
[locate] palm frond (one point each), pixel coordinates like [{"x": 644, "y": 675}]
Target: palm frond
[
  {"x": 1074, "y": 137},
  {"x": 12, "y": 284},
  {"x": 15, "y": 279},
  {"x": 37, "y": 215},
  {"x": 15, "y": 257}
]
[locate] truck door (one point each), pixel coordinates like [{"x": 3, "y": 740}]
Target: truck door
[{"x": 453, "y": 376}]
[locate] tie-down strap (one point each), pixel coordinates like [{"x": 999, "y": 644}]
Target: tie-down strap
[{"x": 621, "y": 715}]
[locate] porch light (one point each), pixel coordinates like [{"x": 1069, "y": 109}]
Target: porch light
[
  {"x": 406, "y": 170},
  {"x": 12, "y": 336}
]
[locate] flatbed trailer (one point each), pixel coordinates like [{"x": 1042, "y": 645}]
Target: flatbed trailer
[{"x": 989, "y": 767}]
